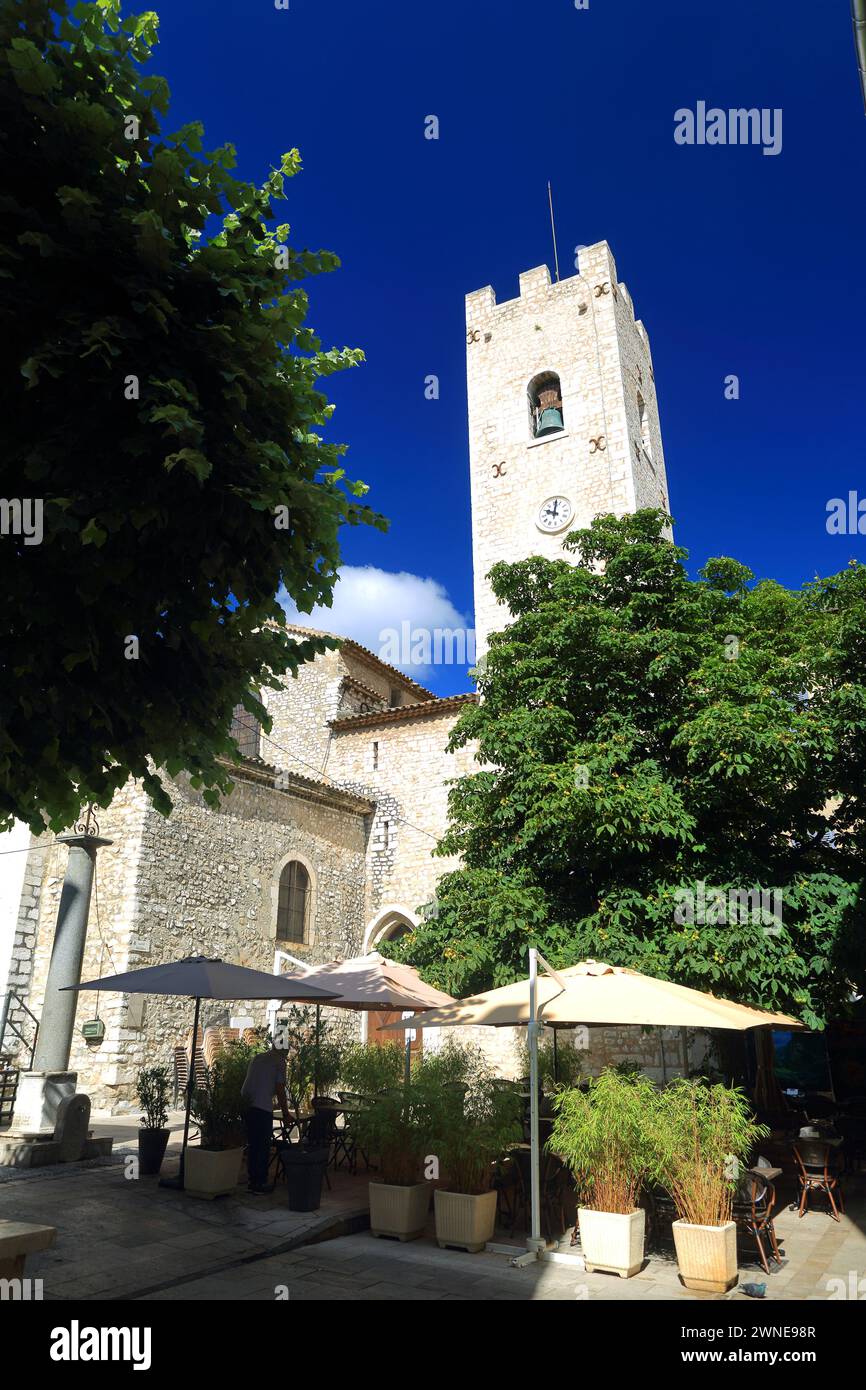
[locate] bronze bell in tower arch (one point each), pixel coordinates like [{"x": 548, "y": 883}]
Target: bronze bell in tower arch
[{"x": 548, "y": 412}]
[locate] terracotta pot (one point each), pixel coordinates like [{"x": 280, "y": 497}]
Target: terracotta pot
[
  {"x": 211, "y": 1172},
  {"x": 465, "y": 1221},
  {"x": 707, "y": 1256},
  {"x": 612, "y": 1241},
  {"x": 399, "y": 1211}
]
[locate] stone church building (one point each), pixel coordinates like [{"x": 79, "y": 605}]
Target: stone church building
[{"x": 324, "y": 847}]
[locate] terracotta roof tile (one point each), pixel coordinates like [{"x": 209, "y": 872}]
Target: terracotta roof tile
[{"x": 389, "y": 716}]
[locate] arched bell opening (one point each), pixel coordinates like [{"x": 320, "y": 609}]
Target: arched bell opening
[{"x": 545, "y": 405}]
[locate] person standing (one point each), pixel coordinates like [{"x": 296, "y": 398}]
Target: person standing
[{"x": 265, "y": 1078}]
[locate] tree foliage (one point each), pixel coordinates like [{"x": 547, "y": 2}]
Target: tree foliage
[
  {"x": 642, "y": 734},
  {"x": 160, "y": 400}
]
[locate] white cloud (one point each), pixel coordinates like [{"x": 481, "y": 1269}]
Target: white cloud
[{"x": 396, "y": 615}]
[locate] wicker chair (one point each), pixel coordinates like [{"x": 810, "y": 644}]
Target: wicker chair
[
  {"x": 814, "y": 1174},
  {"x": 754, "y": 1202}
]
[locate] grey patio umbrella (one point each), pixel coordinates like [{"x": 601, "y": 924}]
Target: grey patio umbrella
[{"x": 205, "y": 977}]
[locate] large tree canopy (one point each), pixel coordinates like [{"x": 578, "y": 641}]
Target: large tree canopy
[
  {"x": 649, "y": 743},
  {"x": 160, "y": 405}
]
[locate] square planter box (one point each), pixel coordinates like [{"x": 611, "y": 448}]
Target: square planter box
[
  {"x": 707, "y": 1256},
  {"x": 400, "y": 1212},
  {"x": 612, "y": 1241},
  {"x": 464, "y": 1221},
  {"x": 212, "y": 1172}
]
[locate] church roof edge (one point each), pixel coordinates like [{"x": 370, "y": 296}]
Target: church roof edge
[
  {"x": 364, "y": 654},
  {"x": 440, "y": 705}
]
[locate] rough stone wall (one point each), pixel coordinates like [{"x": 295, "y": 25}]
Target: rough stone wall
[
  {"x": 336, "y": 684},
  {"x": 409, "y": 786},
  {"x": 650, "y": 488},
  {"x": 20, "y": 1034},
  {"x": 583, "y": 329},
  {"x": 505, "y": 1048},
  {"x": 300, "y": 710}
]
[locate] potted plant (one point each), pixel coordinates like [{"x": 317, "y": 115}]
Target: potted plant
[
  {"x": 473, "y": 1121},
  {"x": 371, "y": 1067},
  {"x": 213, "y": 1168},
  {"x": 705, "y": 1133},
  {"x": 152, "y": 1087},
  {"x": 395, "y": 1128},
  {"x": 604, "y": 1134}
]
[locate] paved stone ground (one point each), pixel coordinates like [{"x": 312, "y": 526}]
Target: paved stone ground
[
  {"x": 124, "y": 1239},
  {"x": 363, "y": 1267}
]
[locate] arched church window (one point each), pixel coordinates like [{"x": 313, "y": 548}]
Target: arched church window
[
  {"x": 293, "y": 906},
  {"x": 246, "y": 732},
  {"x": 545, "y": 405}
]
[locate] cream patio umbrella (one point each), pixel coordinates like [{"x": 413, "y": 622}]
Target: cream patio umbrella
[{"x": 591, "y": 992}]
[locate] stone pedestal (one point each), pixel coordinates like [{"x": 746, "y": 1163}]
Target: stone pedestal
[
  {"x": 38, "y": 1101},
  {"x": 50, "y": 1124}
]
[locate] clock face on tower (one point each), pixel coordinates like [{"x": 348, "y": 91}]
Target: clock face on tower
[{"x": 554, "y": 514}]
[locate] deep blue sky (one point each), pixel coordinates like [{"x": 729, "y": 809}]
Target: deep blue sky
[{"x": 737, "y": 262}]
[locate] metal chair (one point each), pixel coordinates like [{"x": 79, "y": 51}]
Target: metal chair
[
  {"x": 506, "y": 1185},
  {"x": 814, "y": 1175},
  {"x": 345, "y": 1141},
  {"x": 754, "y": 1202},
  {"x": 555, "y": 1186}
]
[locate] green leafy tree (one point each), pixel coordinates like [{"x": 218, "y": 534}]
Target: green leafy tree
[
  {"x": 644, "y": 737},
  {"x": 160, "y": 403}
]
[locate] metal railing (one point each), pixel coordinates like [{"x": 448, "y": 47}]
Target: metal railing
[{"x": 8, "y": 1024}]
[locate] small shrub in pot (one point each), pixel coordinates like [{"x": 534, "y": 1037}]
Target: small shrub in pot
[{"x": 152, "y": 1087}]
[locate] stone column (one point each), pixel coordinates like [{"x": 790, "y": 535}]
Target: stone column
[{"x": 58, "y": 1010}]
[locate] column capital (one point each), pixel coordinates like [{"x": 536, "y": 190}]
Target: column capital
[{"x": 88, "y": 842}]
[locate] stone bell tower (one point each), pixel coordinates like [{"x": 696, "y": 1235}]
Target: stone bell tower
[{"x": 563, "y": 420}]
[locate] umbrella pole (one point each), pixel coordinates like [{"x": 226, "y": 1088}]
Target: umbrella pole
[
  {"x": 189, "y": 1092},
  {"x": 555, "y": 1058},
  {"x": 318, "y": 1045},
  {"x": 535, "y": 1241}
]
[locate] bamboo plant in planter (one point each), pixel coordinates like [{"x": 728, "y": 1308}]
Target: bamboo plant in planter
[
  {"x": 705, "y": 1133},
  {"x": 605, "y": 1135},
  {"x": 395, "y": 1128},
  {"x": 152, "y": 1087},
  {"x": 473, "y": 1122}
]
